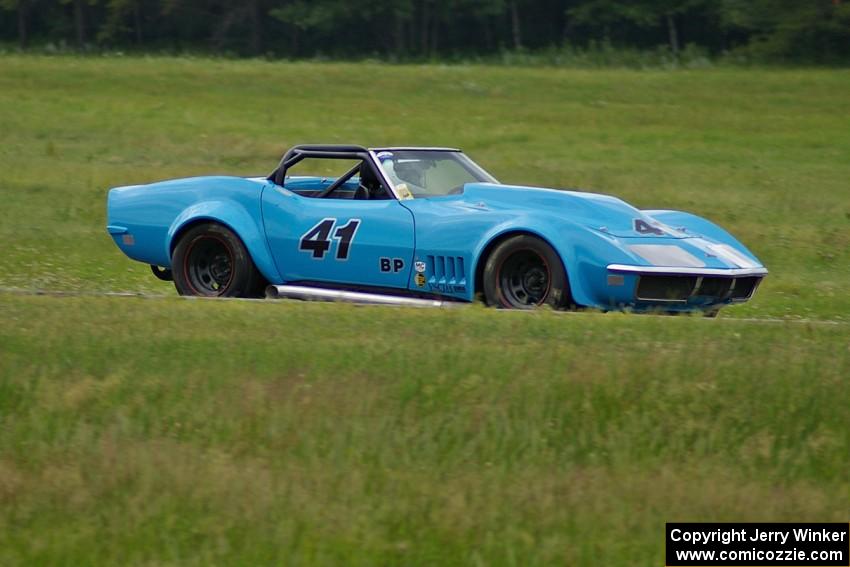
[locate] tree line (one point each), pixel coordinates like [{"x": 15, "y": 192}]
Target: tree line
[{"x": 783, "y": 30}]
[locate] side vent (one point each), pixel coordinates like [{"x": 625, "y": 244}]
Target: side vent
[{"x": 446, "y": 272}]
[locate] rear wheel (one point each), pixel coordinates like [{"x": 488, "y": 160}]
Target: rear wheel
[
  {"x": 161, "y": 273},
  {"x": 524, "y": 272},
  {"x": 211, "y": 261}
]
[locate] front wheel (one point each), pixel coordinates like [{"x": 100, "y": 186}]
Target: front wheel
[
  {"x": 524, "y": 272},
  {"x": 211, "y": 261}
]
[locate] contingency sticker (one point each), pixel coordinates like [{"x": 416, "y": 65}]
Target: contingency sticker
[{"x": 403, "y": 191}]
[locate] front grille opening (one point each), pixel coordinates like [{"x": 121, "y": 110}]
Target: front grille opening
[
  {"x": 665, "y": 288},
  {"x": 744, "y": 288},
  {"x": 714, "y": 287}
]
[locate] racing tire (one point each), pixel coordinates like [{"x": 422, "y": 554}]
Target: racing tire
[
  {"x": 211, "y": 261},
  {"x": 524, "y": 272}
]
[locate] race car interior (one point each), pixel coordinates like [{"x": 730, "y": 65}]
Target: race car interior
[{"x": 330, "y": 172}]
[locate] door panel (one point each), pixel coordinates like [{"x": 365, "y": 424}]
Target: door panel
[{"x": 339, "y": 240}]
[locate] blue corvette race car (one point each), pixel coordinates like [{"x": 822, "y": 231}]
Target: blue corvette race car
[{"x": 400, "y": 225}]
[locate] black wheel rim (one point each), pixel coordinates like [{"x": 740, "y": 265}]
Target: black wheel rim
[
  {"x": 209, "y": 265},
  {"x": 524, "y": 279}
]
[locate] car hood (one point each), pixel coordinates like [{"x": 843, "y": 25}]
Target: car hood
[{"x": 599, "y": 212}]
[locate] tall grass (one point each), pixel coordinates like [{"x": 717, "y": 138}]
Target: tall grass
[{"x": 196, "y": 432}]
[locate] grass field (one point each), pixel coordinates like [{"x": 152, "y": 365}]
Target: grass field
[
  {"x": 763, "y": 153},
  {"x": 168, "y": 431}
]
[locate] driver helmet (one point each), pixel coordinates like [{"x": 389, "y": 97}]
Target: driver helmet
[{"x": 386, "y": 160}]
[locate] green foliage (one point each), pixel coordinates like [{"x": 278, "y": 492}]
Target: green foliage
[
  {"x": 116, "y": 25},
  {"x": 644, "y": 13},
  {"x": 310, "y": 14},
  {"x": 762, "y": 30},
  {"x": 792, "y": 30}
]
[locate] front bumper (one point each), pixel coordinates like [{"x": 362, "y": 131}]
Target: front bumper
[{"x": 685, "y": 288}]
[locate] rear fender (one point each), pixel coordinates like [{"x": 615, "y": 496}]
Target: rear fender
[{"x": 234, "y": 216}]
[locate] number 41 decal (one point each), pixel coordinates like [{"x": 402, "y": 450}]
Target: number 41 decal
[{"x": 317, "y": 239}]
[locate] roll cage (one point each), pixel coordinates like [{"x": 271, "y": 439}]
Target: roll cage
[{"x": 343, "y": 151}]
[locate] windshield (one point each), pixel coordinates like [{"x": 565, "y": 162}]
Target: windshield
[{"x": 430, "y": 173}]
